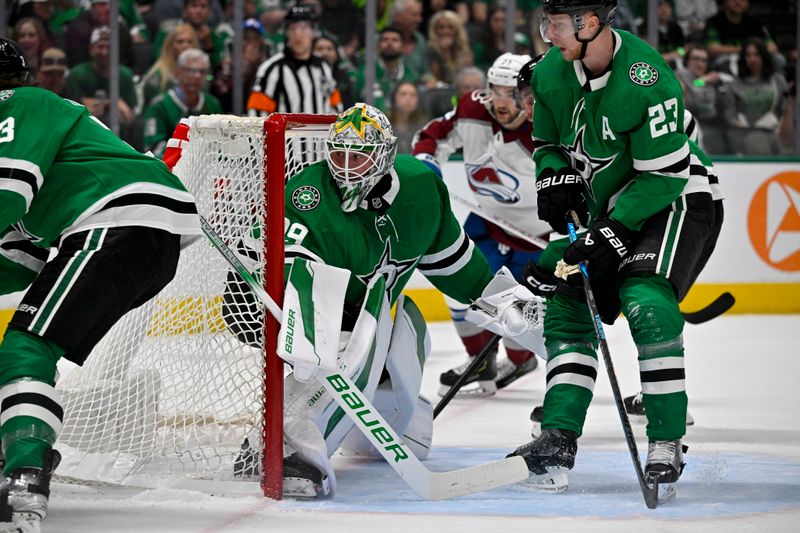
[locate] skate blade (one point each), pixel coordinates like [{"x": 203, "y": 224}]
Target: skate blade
[
  {"x": 476, "y": 389},
  {"x": 555, "y": 481},
  {"x": 304, "y": 489}
]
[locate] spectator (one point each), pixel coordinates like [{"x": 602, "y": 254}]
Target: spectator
[
  {"x": 163, "y": 73},
  {"x": 346, "y": 22},
  {"x": 80, "y": 30},
  {"x": 728, "y": 29},
  {"x": 169, "y": 11},
  {"x": 491, "y": 42},
  {"x": 755, "y": 102},
  {"x": 448, "y": 49},
  {"x": 670, "y": 34},
  {"x": 87, "y": 83},
  {"x": 52, "y": 70},
  {"x": 295, "y": 80},
  {"x": 38, "y": 9},
  {"x": 198, "y": 14},
  {"x": 255, "y": 51},
  {"x": 185, "y": 99},
  {"x": 469, "y": 79},
  {"x": 327, "y": 47},
  {"x": 406, "y": 117},
  {"x": 431, "y": 7},
  {"x": 701, "y": 96},
  {"x": 692, "y": 15},
  {"x": 407, "y": 17},
  {"x": 30, "y": 34},
  {"x": 390, "y": 69}
]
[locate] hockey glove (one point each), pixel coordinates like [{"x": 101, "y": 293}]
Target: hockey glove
[
  {"x": 546, "y": 285},
  {"x": 603, "y": 247},
  {"x": 557, "y": 193}
]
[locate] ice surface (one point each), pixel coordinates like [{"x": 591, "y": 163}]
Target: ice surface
[{"x": 743, "y": 465}]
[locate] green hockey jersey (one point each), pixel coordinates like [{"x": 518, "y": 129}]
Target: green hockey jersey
[
  {"x": 405, "y": 224},
  {"x": 62, "y": 171},
  {"x": 622, "y": 131}
]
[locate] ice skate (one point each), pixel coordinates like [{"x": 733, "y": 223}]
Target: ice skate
[
  {"x": 24, "y": 494},
  {"x": 482, "y": 381},
  {"x": 303, "y": 480},
  {"x": 665, "y": 464},
  {"x": 508, "y": 371},
  {"x": 550, "y": 457},
  {"x": 634, "y": 406}
]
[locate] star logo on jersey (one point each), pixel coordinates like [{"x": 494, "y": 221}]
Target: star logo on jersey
[
  {"x": 306, "y": 198},
  {"x": 773, "y": 221},
  {"x": 643, "y": 74},
  {"x": 391, "y": 269},
  {"x": 586, "y": 165}
]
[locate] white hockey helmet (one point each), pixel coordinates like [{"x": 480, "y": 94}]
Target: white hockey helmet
[
  {"x": 360, "y": 150},
  {"x": 505, "y": 69}
]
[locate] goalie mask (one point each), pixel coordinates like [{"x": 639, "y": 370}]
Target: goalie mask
[{"x": 360, "y": 150}]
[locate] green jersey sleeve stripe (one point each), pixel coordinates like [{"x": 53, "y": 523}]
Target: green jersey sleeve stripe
[
  {"x": 452, "y": 264},
  {"x": 17, "y": 249},
  {"x": 293, "y": 250},
  {"x": 454, "y": 248},
  {"x": 665, "y": 161},
  {"x": 21, "y": 177}
]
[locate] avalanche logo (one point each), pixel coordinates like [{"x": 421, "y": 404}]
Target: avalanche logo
[
  {"x": 485, "y": 179},
  {"x": 773, "y": 221}
]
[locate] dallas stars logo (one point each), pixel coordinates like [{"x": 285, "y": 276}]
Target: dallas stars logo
[
  {"x": 306, "y": 198},
  {"x": 643, "y": 74},
  {"x": 357, "y": 120},
  {"x": 586, "y": 165},
  {"x": 391, "y": 269}
]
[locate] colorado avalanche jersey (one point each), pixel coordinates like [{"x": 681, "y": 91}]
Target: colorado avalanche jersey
[{"x": 498, "y": 161}]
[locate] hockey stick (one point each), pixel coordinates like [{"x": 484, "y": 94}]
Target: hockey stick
[
  {"x": 471, "y": 369},
  {"x": 650, "y": 493},
  {"x": 428, "y": 485},
  {"x": 720, "y": 305}
]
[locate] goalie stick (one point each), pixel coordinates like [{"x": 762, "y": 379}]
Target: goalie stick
[
  {"x": 649, "y": 493},
  {"x": 428, "y": 485},
  {"x": 719, "y": 306}
]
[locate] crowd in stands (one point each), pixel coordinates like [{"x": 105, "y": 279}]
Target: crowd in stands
[{"x": 735, "y": 59}]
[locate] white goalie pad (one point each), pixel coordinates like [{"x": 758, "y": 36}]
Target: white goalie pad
[
  {"x": 398, "y": 399},
  {"x": 510, "y": 310},
  {"x": 312, "y": 318},
  {"x": 314, "y": 425}
]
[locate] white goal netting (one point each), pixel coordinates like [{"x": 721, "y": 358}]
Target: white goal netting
[{"x": 171, "y": 392}]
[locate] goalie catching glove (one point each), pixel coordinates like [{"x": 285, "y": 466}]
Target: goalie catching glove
[{"x": 510, "y": 310}]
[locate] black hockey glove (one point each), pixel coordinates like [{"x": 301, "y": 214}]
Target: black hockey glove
[
  {"x": 603, "y": 248},
  {"x": 546, "y": 285},
  {"x": 558, "y": 192}
]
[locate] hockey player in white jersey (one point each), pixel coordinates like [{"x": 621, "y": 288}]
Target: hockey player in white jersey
[{"x": 494, "y": 132}]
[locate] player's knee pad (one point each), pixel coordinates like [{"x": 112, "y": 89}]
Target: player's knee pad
[
  {"x": 23, "y": 355},
  {"x": 651, "y": 308}
]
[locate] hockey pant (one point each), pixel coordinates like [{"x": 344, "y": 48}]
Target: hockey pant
[
  {"x": 315, "y": 427},
  {"x": 667, "y": 255}
]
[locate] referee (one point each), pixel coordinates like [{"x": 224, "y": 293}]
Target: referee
[{"x": 295, "y": 81}]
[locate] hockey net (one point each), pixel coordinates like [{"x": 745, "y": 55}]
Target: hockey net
[{"x": 170, "y": 393}]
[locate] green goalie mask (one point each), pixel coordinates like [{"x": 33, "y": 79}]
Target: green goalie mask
[{"x": 360, "y": 149}]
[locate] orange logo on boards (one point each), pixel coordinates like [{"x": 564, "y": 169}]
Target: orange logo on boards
[{"x": 773, "y": 221}]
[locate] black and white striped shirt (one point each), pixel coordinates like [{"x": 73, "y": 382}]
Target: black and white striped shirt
[{"x": 288, "y": 85}]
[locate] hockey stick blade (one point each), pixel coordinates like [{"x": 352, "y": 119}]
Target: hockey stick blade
[
  {"x": 427, "y": 484},
  {"x": 719, "y": 306}
]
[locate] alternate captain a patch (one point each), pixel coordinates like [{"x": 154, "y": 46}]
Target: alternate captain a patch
[
  {"x": 306, "y": 198},
  {"x": 643, "y": 74}
]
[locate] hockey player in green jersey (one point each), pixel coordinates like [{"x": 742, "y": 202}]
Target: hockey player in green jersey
[
  {"x": 115, "y": 221},
  {"x": 610, "y": 145},
  {"x": 366, "y": 219}
]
